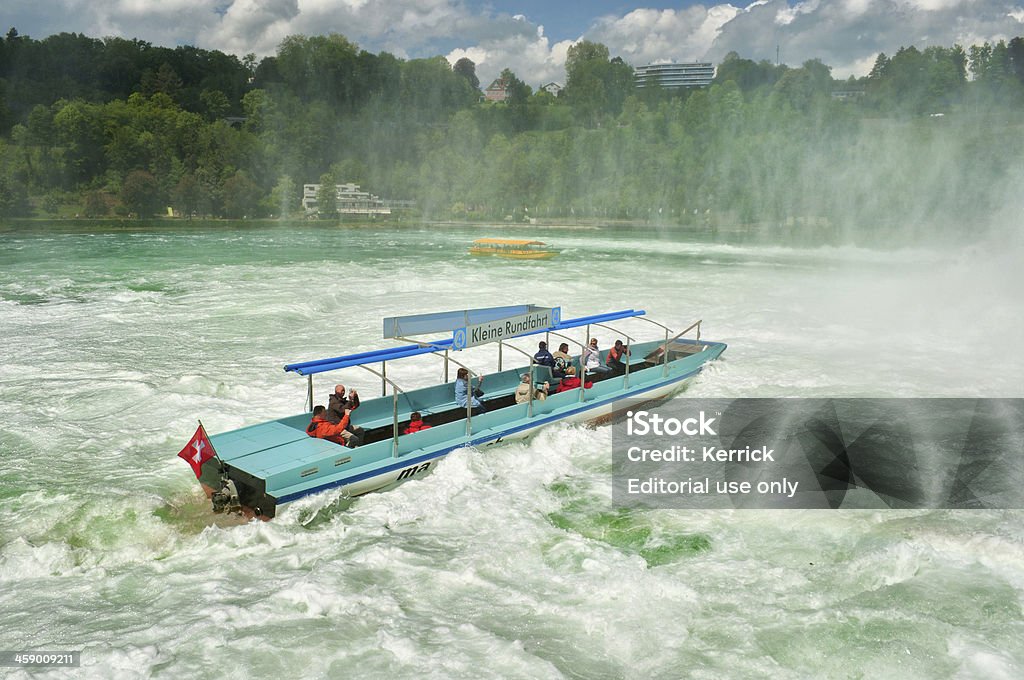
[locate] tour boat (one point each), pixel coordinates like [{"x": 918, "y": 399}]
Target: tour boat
[
  {"x": 259, "y": 467},
  {"x": 516, "y": 249}
]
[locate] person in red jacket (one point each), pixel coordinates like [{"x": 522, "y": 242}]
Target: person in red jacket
[
  {"x": 415, "y": 423},
  {"x": 321, "y": 428},
  {"x": 570, "y": 381}
]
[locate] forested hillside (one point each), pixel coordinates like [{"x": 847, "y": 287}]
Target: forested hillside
[{"x": 121, "y": 127}]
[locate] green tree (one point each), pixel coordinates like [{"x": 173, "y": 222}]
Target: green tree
[
  {"x": 165, "y": 80},
  {"x": 881, "y": 66},
  {"x": 284, "y": 198},
  {"x": 747, "y": 74},
  {"x": 79, "y": 130},
  {"x": 1015, "y": 50},
  {"x": 596, "y": 86},
  {"x": 327, "y": 197},
  {"x": 320, "y": 68},
  {"x": 186, "y": 194},
  {"x": 95, "y": 204},
  {"x": 241, "y": 196},
  {"x": 13, "y": 197},
  {"x": 52, "y": 202},
  {"x": 215, "y": 104},
  {"x": 517, "y": 96},
  {"x": 139, "y": 193},
  {"x": 467, "y": 69}
]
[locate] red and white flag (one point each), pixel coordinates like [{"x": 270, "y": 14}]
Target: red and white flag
[{"x": 198, "y": 450}]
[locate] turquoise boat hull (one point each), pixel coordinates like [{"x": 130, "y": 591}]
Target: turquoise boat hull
[{"x": 276, "y": 462}]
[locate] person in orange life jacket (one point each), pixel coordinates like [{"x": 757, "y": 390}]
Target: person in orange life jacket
[
  {"x": 321, "y": 428},
  {"x": 337, "y": 406},
  {"x": 571, "y": 382},
  {"x": 615, "y": 358},
  {"x": 416, "y": 423}
]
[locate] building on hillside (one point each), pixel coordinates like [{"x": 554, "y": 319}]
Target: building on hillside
[
  {"x": 674, "y": 76},
  {"x": 554, "y": 89},
  {"x": 350, "y": 201},
  {"x": 497, "y": 91},
  {"x": 846, "y": 95}
]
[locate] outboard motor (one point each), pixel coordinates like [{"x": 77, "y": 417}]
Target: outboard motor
[{"x": 225, "y": 499}]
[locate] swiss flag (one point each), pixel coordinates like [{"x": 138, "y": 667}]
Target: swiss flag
[{"x": 198, "y": 450}]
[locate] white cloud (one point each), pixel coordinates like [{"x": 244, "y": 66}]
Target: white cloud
[
  {"x": 849, "y": 34},
  {"x": 846, "y": 34},
  {"x": 647, "y": 35},
  {"x": 531, "y": 57},
  {"x": 253, "y": 25},
  {"x": 785, "y": 15}
]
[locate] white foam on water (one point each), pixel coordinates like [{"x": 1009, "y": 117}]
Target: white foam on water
[{"x": 507, "y": 561}]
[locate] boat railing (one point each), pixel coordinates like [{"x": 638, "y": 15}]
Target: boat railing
[
  {"x": 668, "y": 341},
  {"x": 583, "y": 376},
  {"x": 529, "y": 409},
  {"x": 395, "y": 391},
  {"x": 441, "y": 349},
  {"x": 625, "y": 381},
  {"x": 469, "y": 392}
]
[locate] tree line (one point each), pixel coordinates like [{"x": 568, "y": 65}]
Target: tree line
[{"x": 113, "y": 126}]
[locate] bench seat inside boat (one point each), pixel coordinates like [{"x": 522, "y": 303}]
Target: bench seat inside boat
[{"x": 437, "y": 402}]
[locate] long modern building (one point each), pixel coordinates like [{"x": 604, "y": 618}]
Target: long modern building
[{"x": 673, "y": 76}]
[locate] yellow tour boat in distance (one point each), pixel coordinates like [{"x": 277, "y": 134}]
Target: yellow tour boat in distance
[{"x": 516, "y": 249}]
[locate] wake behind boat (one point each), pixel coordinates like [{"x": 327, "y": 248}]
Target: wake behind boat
[{"x": 259, "y": 467}]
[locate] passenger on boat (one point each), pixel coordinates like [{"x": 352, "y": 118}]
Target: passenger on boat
[
  {"x": 338, "y": 402},
  {"x": 321, "y": 428},
  {"x": 562, "y": 360},
  {"x": 415, "y": 423},
  {"x": 337, "y": 405},
  {"x": 543, "y": 357},
  {"x": 615, "y": 358},
  {"x": 462, "y": 391},
  {"x": 591, "y": 359},
  {"x": 570, "y": 381},
  {"x": 523, "y": 390}
]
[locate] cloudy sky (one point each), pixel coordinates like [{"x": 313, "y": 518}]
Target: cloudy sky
[{"x": 531, "y": 36}]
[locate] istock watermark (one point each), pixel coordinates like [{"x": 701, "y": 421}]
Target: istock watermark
[{"x": 819, "y": 453}]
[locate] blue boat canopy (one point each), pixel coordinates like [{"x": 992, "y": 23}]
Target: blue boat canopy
[{"x": 375, "y": 356}]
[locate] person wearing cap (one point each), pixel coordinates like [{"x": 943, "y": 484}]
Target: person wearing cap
[
  {"x": 523, "y": 390},
  {"x": 591, "y": 359}
]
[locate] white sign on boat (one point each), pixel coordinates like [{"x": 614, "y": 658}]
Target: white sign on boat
[
  {"x": 503, "y": 329},
  {"x": 449, "y": 322}
]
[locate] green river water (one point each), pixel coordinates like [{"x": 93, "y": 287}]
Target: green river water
[{"x": 505, "y": 563}]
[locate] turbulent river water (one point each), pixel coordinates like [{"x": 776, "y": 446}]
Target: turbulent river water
[{"x": 505, "y": 563}]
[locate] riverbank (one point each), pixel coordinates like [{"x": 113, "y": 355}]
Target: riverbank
[
  {"x": 792, "y": 232},
  {"x": 582, "y": 224}
]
